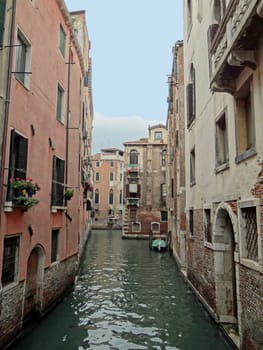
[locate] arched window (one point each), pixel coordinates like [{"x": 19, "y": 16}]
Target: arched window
[
  {"x": 133, "y": 156},
  {"x": 111, "y": 196}
]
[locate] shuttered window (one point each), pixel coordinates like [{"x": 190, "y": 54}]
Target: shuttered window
[
  {"x": 2, "y": 20},
  {"x": 57, "y": 182},
  {"x": 17, "y": 159}
]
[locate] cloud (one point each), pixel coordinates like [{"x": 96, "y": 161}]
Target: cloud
[{"x": 112, "y": 131}]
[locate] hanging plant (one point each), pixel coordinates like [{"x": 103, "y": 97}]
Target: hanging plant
[
  {"x": 25, "y": 202},
  {"x": 68, "y": 193}
]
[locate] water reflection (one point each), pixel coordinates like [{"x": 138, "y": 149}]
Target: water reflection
[{"x": 127, "y": 297}]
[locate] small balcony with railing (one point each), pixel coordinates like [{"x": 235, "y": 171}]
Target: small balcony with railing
[
  {"x": 233, "y": 41},
  {"x": 133, "y": 202}
]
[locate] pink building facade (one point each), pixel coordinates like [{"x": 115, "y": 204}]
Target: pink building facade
[{"x": 45, "y": 132}]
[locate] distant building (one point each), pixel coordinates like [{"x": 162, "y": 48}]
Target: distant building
[
  {"x": 45, "y": 117},
  {"x": 145, "y": 184},
  {"x": 108, "y": 167},
  {"x": 176, "y": 156}
]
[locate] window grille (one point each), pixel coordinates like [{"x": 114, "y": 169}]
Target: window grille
[
  {"x": 10, "y": 259},
  {"x": 250, "y": 227}
]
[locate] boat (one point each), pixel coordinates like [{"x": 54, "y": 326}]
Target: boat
[{"x": 159, "y": 244}]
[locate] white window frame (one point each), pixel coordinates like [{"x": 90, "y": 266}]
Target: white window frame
[
  {"x": 60, "y": 116},
  {"x": 252, "y": 264},
  {"x": 62, "y": 49},
  {"x": 138, "y": 224},
  {"x": 152, "y": 225},
  {"x": 25, "y": 81}
]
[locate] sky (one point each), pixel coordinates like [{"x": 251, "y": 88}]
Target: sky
[{"x": 131, "y": 51}]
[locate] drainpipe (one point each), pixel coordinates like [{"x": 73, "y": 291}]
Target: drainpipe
[
  {"x": 7, "y": 103},
  {"x": 67, "y": 137},
  {"x": 67, "y": 121}
]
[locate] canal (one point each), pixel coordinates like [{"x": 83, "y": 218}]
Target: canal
[{"x": 126, "y": 298}]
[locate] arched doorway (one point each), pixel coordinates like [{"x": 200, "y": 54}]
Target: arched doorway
[
  {"x": 224, "y": 233},
  {"x": 34, "y": 284}
]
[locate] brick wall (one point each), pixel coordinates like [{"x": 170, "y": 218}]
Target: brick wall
[
  {"x": 11, "y": 301},
  {"x": 251, "y": 287},
  {"x": 200, "y": 270},
  {"x": 58, "y": 279}
]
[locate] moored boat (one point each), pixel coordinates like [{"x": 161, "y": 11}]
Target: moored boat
[{"x": 159, "y": 244}]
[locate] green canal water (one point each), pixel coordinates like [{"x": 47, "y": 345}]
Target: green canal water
[{"x": 127, "y": 297}]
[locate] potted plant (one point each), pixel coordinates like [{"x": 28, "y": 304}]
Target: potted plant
[
  {"x": 24, "y": 189},
  {"x": 25, "y": 202},
  {"x": 68, "y": 194},
  {"x": 24, "y": 186}
]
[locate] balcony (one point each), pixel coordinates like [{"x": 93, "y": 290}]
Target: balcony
[
  {"x": 132, "y": 168},
  {"x": 235, "y": 43},
  {"x": 133, "y": 202}
]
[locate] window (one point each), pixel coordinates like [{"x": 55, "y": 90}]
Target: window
[
  {"x": 245, "y": 121},
  {"x": 191, "y": 222},
  {"x": 192, "y": 167},
  {"x": 190, "y": 97},
  {"x": 97, "y": 197},
  {"x": 111, "y": 176},
  {"x": 97, "y": 176},
  {"x": 57, "y": 193},
  {"x": 54, "y": 245},
  {"x": 136, "y": 227},
  {"x": 120, "y": 198},
  {"x": 60, "y": 103},
  {"x": 23, "y": 59},
  {"x": 249, "y": 230},
  {"x": 221, "y": 141},
  {"x": 219, "y": 7},
  {"x": 189, "y": 14},
  {"x": 120, "y": 177},
  {"x": 10, "y": 260},
  {"x": 164, "y": 216},
  {"x": 207, "y": 225},
  {"x": 97, "y": 164},
  {"x": 17, "y": 159},
  {"x": 111, "y": 196},
  {"x": 163, "y": 158},
  {"x": 62, "y": 40},
  {"x": 155, "y": 227},
  {"x": 163, "y": 194},
  {"x": 133, "y": 157},
  {"x": 158, "y": 135},
  {"x": 111, "y": 164},
  {"x": 2, "y": 20}
]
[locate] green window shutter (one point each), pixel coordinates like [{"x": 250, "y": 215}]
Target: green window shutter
[{"x": 2, "y": 20}]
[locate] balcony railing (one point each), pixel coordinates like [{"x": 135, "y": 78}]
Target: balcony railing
[
  {"x": 235, "y": 42},
  {"x": 132, "y": 202}
]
